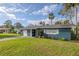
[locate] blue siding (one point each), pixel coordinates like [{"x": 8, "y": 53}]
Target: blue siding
[{"x": 63, "y": 33}]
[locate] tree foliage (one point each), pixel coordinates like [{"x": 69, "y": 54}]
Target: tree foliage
[
  {"x": 51, "y": 16},
  {"x": 65, "y": 22},
  {"x": 18, "y": 25},
  {"x": 42, "y": 23},
  {"x": 8, "y": 23},
  {"x": 67, "y": 10}
]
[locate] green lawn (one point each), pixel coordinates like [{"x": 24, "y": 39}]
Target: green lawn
[
  {"x": 38, "y": 47},
  {"x": 5, "y": 35}
]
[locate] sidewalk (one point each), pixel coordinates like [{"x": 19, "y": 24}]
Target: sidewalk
[{"x": 11, "y": 38}]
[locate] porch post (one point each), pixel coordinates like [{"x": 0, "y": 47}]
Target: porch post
[
  {"x": 31, "y": 32},
  {"x": 36, "y": 33},
  {"x": 5, "y": 30}
]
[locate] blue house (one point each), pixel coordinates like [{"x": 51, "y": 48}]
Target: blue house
[{"x": 50, "y": 31}]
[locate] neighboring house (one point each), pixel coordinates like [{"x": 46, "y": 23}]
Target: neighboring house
[
  {"x": 4, "y": 30},
  {"x": 51, "y": 31}
]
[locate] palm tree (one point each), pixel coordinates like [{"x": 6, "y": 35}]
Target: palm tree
[
  {"x": 51, "y": 17},
  {"x": 67, "y": 10}
]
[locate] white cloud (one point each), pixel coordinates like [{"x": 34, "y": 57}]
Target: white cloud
[
  {"x": 9, "y": 12},
  {"x": 20, "y": 10},
  {"x": 47, "y": 21},
  {"x": 45, "y": 10},
  {"x": 8, "y": 15},
  {"x": 20, "y": 19},
  {"x": 2, "y": 9},
  {"x": 11, "y": 16},
  {"x": 14, "y": 10},
  {"x": 36, "y": 22}
]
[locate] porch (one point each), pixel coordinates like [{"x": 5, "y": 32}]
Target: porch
[{"x": 34, "y": 32}]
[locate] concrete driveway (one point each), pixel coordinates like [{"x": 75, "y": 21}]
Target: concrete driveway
[{"x": 10, "y": 38}]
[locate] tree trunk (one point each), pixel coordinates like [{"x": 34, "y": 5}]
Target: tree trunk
[
  {"x": 51, "y": 21},
  {"x": 71, "y": 16},
  {"x": 76, "y": 25}
]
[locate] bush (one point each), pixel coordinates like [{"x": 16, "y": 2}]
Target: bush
[
  {"x": 73, "y": 36},
  {"x": 62, "y": 39},
  {"x": 78, "y": 36}
]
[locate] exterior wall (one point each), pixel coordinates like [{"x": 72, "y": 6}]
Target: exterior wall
[
  {"x": 63, "y": 33},
  {"x": 27, "y": 33},
  {"x": 4, "y": 30}
]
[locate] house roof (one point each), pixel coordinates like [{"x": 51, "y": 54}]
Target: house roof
[
  {"x": 3, "y": 28},
  {"x": 49, "y": 26}
]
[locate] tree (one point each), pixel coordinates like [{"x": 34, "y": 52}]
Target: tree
[
  {"x": 8, "y": 24},
  {"x": 51, "y": 17},
  {"x": 58, "y": 22},
  {"x": 67, "y": 10},
  {"x": 66, "y": 22},
  {"x": 78, "y": 29},
  {"x": 42, "y": 23},
  {"x": 18, "y": 25},
  {"x": 78, "y": 23}
]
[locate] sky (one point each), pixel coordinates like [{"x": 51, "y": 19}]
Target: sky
[{"x": 29, "y": 13}]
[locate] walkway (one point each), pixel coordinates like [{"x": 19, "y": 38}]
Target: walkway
[{"x": 11, "y": 38}]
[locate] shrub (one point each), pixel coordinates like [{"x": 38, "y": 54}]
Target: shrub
[{"x": 62, "y": 39}]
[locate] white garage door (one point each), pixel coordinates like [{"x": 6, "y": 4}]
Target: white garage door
[{"x": 25, "y": 32}]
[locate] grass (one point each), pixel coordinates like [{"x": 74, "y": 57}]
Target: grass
[
  {"x": 5, "y": 35},
  {"x": 38, "y": 47}
]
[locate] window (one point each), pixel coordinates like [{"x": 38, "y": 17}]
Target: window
[{"x": 51, "y": 31}]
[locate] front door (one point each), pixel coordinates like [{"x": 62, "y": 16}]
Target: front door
[{"x": 33, "y": 32}]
